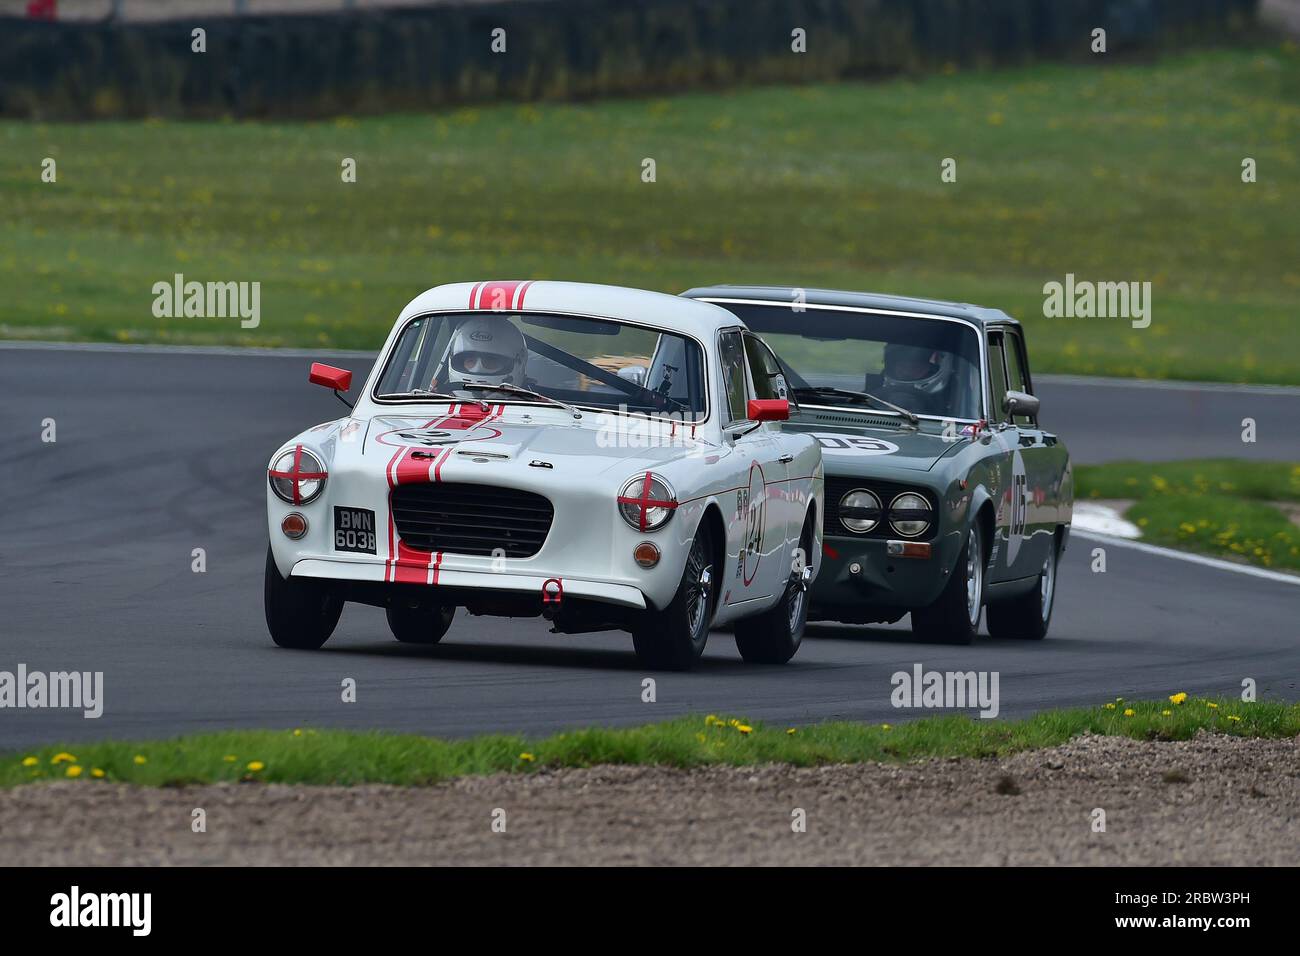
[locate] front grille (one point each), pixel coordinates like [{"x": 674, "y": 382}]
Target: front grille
[
  {"x": 838, "y": 486},
  {"x": 471, "y": 519}
]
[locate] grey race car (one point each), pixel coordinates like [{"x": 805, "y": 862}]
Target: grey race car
[{"x": 943, "y": 493}]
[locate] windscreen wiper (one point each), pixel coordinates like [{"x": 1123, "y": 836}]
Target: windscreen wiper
[
  {"x": 426, "y": 393},
  {"x": 519, "y": 390},
  {"x": 849, "y": 393}
]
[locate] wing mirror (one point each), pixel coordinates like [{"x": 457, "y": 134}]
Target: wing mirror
[
  {"x": 1020, "y": 403},
  {"x": 636, "y": 374},
  {"x": 339, "y": 379},
  {"x": 768, "y": 410}
]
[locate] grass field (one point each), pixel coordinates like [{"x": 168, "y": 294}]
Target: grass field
[
  {"x": 1113, "y": 173},
  {"x": 341, "y": 757},
  {"x": 1224, "y": 507}
]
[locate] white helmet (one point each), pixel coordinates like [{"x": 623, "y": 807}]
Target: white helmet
[
  {"x": 487, "y": 349},
  {"x": 923, "y": 370}
]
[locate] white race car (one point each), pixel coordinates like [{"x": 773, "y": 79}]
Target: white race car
[{"x": 603, "y": 457}]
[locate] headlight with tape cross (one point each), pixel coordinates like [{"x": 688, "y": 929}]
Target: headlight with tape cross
[
  {"x": 297, "y": 476},
  {"x": 646, "y": 502}
]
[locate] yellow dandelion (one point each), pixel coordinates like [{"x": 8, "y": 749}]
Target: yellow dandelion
[
  {"x": 62, "y": 758},
  {"x": 1166, "y": 713},
  {"x": 1129, "y": 711},
  {"x": 1110, "y": 706},
  {"x": 297, "y": 732},
  {"x": 73, "y": 771},
  {"x": 96, "y": 772},
  {"x": 744, "y": 728},
  {"x": 885, "y": 727},
  {"x": 1212, "y": 705},
  {"x": 710, "y": 720},
  {"x": 256, "y": 765},
  {"x": 1234, "y": 717},
  {"x": 790, "y": 730},
  {"x": 30, "y": 761},
  {"x": 1177, "y": 698},
  {"x": 527, "y": 757},
  {"x": 139, "y": 760}
]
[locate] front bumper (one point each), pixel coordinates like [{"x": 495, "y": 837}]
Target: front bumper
[
  {"x": 882, "y": 581},
  {"x": 372, "y": 571}
]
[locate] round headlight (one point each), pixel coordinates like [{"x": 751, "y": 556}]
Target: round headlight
[
  {"x": 646, "y": 502},
  {"x": 297, "y": 476},
  {"x": 909, "y": 515},
  {"x": 860, "y": 511}
]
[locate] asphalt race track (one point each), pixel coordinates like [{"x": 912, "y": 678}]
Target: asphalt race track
[{"x": 160, "y": 453}]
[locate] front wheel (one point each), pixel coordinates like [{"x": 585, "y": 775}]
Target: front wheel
[
  {"x": 674, "y": 638},
  {"x": 955, "y": 617},
  {"x": 300, "y": 612},
  {"x": 422, "y": 624},
  {"x": 1027, "y": 616},
  {"x": 773, "y": 636}
]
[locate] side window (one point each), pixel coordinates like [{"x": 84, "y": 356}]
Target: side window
[
  {"x": 1017, "y": 380},
  {"x": 997, "y": 378},
  {"x": 731, "y": 353},
  {"x": 769, "y": 381}
]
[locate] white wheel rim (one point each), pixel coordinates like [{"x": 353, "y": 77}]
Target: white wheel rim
[
  {"x": 1047, "y": 584},
  {"x": 974, "y": 577}
]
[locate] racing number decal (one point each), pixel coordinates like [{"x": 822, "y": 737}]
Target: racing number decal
[
  {"x": 856, "y": 444},
  {"x": 751, "y": 508},
  {"x": 1018, "y": 505}
]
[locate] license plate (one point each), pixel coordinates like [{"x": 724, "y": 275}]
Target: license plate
[{"x": 354, "y": 530}]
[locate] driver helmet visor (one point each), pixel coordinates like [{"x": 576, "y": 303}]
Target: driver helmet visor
[
  {"x": 910, "y": 364},
  {"x": 480, "y": 363}
]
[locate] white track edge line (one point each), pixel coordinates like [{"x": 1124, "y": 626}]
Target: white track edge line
[{"x": 1188, "y": 556}]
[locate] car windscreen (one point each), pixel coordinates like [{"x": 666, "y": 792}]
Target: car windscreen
[
  {"x": 927, "y": 366},
  {"x": 584, "y": 361}
]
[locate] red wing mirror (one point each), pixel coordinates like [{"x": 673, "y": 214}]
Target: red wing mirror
[
  {"x": 339, "y": 379},
  {"x": 768, "y": 409}
]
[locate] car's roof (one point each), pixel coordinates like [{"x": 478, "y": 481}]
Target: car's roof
[
  {"x": 670, "y": 312},
  {"x": 784, "y": 295}
]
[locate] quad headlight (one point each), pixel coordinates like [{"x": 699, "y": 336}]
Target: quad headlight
[
  {"x": 646, "y": 502},
  {"x": 297, "y": 476},
  {"x": 910, "y": 514},
  {"x": 860, "y": 510}
]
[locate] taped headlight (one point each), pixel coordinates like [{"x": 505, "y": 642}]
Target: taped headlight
[
  {"x": 860, "y": 511},
  {"x": 910, "y": 514},
  {"x": 297, "y": 476},
  {"x": 646, "y": 502}
]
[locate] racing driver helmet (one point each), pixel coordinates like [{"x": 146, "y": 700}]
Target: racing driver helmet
[
  {"x": 487, "y": 349},
  {"x": 915, "y": 368}
]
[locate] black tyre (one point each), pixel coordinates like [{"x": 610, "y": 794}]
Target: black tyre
[
  {"x": 773, "y": 636},
  {"x": 1028, "y": 616},
  {"x": 955, "y": 617},
  {"x": 300, "y": 612},
  {"x": 423, "y": 624},
  {"x": 674, "y": 638}
]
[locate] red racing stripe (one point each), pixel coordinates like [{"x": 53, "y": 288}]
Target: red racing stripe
[{"x": 494, "y": 295}]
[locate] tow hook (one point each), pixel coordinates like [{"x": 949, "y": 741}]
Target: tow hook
[
  {"x": 804, "y": 579},
  {"x": 552, "y": 597}
]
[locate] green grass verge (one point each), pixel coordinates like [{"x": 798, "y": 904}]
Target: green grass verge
[
  {"x": 1214, "y": 506},
  {"x": 342, "y": 757},
  {"x": 1109, "y": 171}
]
